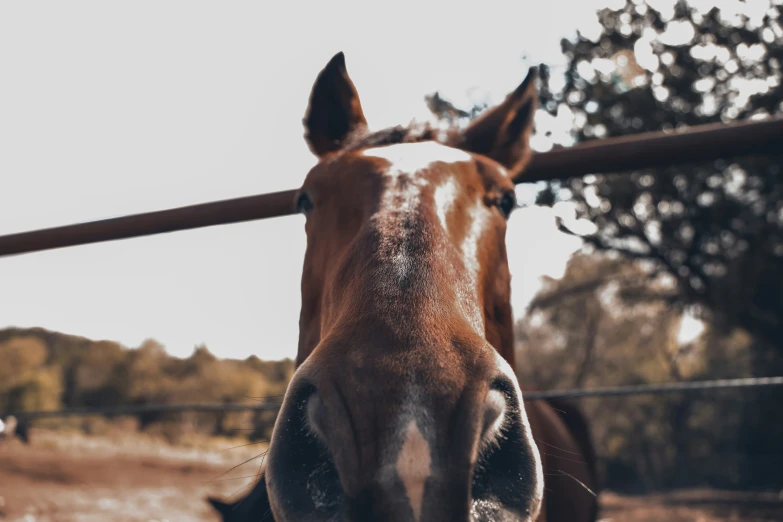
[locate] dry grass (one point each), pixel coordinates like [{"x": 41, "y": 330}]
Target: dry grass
[{"x": 693, "y": 506}]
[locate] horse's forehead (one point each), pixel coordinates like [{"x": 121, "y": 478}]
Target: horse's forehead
[{"x": 415, "y": 157}]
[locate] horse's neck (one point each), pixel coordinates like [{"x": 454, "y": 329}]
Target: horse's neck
[
  {"x": 499, "y": 328},
  {"x": 505, "y": 345}
]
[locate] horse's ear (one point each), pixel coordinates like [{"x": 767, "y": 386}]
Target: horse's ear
[
  {"x": 221, "y": 507},
  {"x": 503, "y": 133},
  {"x": 334, "y": 112}
]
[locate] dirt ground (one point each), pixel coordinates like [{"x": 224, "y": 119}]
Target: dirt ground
[
  {"x": 693, "y": 506},
  {"x": 92, "y": 479}
]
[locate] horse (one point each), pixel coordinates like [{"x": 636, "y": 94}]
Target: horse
[{"x": 405, "y": 405}]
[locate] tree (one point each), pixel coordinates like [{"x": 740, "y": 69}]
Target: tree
[
  {"x": 715, "y": 228},
  {"x": 25, "y": 381},
  {"x": 581, "y": 329}
]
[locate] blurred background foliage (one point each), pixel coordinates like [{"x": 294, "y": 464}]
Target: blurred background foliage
[{"x": 43, "y": 370}]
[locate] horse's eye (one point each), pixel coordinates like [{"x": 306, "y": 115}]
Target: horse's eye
[
  {"x": 507, "y": 203},
  {"x": 304, "y": 204}
]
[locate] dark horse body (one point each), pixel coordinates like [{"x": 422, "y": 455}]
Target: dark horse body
[{"x": 404, "y": 405}]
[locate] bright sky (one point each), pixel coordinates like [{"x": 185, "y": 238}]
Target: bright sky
[{"x": 110, "y": 108}]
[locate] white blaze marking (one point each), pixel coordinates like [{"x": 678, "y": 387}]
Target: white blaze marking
[
  {"x": 414, "y": 466},
  {"x": 478, "y": 224},
  {"x": 409, "y": 159},
  {"x": 445, "y": 195},
  {"x": 479, "y": 218}
]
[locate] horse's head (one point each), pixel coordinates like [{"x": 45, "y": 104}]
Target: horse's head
[{"x": 404, "y": 405}]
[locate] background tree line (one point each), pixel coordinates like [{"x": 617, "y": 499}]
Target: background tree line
[{"x": 44, "y": 370}]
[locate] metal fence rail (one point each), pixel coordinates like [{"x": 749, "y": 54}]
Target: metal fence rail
[
  {"x": 576, "y": 393},
  {"x": 652, "y": 149}
]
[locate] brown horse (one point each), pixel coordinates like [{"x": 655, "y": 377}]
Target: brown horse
[{"x": 405, "y": 405}]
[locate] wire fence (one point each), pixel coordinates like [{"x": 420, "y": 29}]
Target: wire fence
[
  {"x": 575, "y": 393},
  {"x": 656, "y": 389},
  {"x": 138, "y": 409}
]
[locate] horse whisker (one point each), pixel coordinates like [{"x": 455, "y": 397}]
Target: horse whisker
[
  {"x": 579, "y": 482},
  {"x": 556, "y": 409},
  {"x": 235, "y": 467},
  {"x": 234, "y": 478},
  {"x": 555, "y": 447},
  {"x": 258, "y": 474},
  {"x": 244, "y": 445},
  {"x": 563, "y": 458},
  {"x": 235, "y": 493},
  {"x": 262, "y": 398}
]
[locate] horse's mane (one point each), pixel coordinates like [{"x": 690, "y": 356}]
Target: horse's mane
[{"x": 413, "y": 133}]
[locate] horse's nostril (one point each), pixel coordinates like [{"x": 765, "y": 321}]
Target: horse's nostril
[
  {"x": 323, "y": 485},
  {"x": 505, "y": 477},
  {"x": 315, "y": 416},
  {"x": 301, "y": 472},
  {"x": 494, "y": 416}
]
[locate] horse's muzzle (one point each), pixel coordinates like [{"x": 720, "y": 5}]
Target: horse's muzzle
[{"x": 403, "y": 458}]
